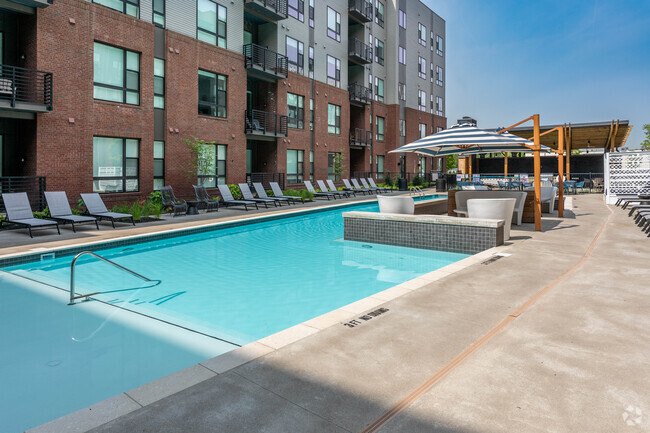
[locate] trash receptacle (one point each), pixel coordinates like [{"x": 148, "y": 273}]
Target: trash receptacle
[
  {"x": 401, "y": 184},
  {"x": 441, "y": 184},
  {"x": 451, "y": 180}
]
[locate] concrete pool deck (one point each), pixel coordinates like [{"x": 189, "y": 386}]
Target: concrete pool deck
[{"x": 574, "y": 360}]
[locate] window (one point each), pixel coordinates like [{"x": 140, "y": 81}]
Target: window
[
  {"x": 422, "y": 166},
  {"x": 311, "y": 114},
  {"x": 380, "y": 166},
  {"x": 401, "y": 51},
  {"x": 401, "y": 91},
  {"x": 295, "y": 55},
  {"x": 311, "y": 13},
  {"x": 423, "y": 130},
  {"x": 379, "y": 51},
  {"x": 311, "y": 165},
  {"x": 333, "y": 71},
  {"x": 439, "y": 110},
  {"x": 432, "y": 41},
  {"x": 213, "y": 173},
  {"x": 211, "y": 23},
  {"x": 294, "y": 166},
  {"x": 333, "y": 119},
  {"x": 431, "y": 71},
  {"x": 116, "y": 74},
  {"x": 159, "y": 12},
  {"x": 295, "y": 111},
  {"x": 158, "y": 83},
  {"x": 402, "y": 128},
  {"x": 129, "y": 7},
  {"x": 158, "y": 164},
  {"x": 422, "y": 35},
  {"x": 333, "y": 24},
  {"x": 334, "y": 166},
  {"x": 297, "y": 9},
  {"x": 212, "y": 94},
  {"x": 431, "y": 104},
  {"x": 439, "y": 45},
  {"x": 311, "y": 62},
  {"x": 380, "y": 128},
  {"x": 439, "y": 80},
  {"x": 379, "y": 89},
  {"x": 422, "y": 100},
  {"x": 422, "y": 68},
  {"x": 402, "y": 19},
  {"x": 115, "y": 164},
  {"x": 379, "y": 13}
]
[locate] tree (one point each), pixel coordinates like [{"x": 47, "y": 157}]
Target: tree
[
  {"x": 645, "y": 144},
  {"x": 452, "y": 161},
  {"x": 202, "y": 159}
]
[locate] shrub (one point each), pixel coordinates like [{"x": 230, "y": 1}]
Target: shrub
[
  {"x": 306, "y": 195},
  {"x": 156, "y": 209},
  {"x": 417, "y": 180},
  {"x": 136, "y": 210},
  {"x": 155, "y": 198},
  {"x": 42, "y": 215},
  {"x": 388, "y": 180},
  {"x": 236, "y": 192}
]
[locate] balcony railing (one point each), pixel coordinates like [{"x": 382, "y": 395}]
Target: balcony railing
[
  {"x": 360, "y": 137},
  {"x": 360, "y": 10},
  {"x": 34, "y": 186},
  {"x": 271, "y": 10},
  {"x": 265, "y": 179},
  {"x": 359, "y": 52},
  {"x": 265, "y": 62},
  {"x": 359, "y": 94},
  {"x": 266, "y": 124},
  {"x": 25, "y": 89}
]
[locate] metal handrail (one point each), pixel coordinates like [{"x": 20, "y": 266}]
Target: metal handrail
[
  {"x": 83, "y": 253},
  {"x": 416, "y": 190},
  {"x": 25, "y": 85}
]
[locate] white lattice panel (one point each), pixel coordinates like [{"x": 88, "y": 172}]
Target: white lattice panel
[{"x": 626, "y": 174}]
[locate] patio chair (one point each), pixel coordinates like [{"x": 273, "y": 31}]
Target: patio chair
[
  {"x": 580, "y": 185},
  {"x": 57, "y": 202},
  {"x": 277, "y": 192},
  {"x": 202, "y": 196},
  {"x": 96, "y": 208},
  {"x": 169, "y": 200},
  {"x": 248, "y": 195},
  {"x": 261, "y": 193},
  {"x": 324, "y": 188},
  {"x": 311, "y": 189},
  {"x": 229, "y": 200},
  {"x": 332, "y": 187},
  {"x": 349, "y": 187},
  {"x": 19, "y": 212},
  {"x": 493, "y": 208},
  {"x": 372, "y": 183},
  {"x": 358, "y": 187},
  {"x": 400, "y": 205},
  {"x": 368, "y": 187}
]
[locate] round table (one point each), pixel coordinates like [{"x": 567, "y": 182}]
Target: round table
[{"x": 192, "y": 208}]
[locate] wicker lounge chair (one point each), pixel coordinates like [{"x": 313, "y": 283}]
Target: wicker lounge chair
[
  {"x": 261, "y": 193},
  {"x": 324, "y": 188},
  {"x": 204, "y": 198},
  {"x": 352, "y": 188},
  {"x": 229, "y": 200},
  {"x": 169, "y": 200},
  {"x": 277, "y": 192},
  {"x": 97, "y": 208},
  {"x": 57, "y": 202},
  {"x": 248, "y": 195},
  {"x": 311, "y": 189},
  {"x": 19, "y": 212}
]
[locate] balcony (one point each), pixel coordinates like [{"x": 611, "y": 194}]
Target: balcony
[
  {"x": 359, "y": 95},
  {"x": 267, "y": 10},
  {"x": 262, "y": 125},
  {"x": 360, "y": 137},
  {"x": 358, "y": 52},
  {"x": 25, "y": 90},
  {"x": 265, "y": 64},
  {"x": 24, "y": 6},
  {"x": 360, "y": 11}
]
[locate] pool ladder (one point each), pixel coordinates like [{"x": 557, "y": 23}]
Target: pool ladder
[
  {"x": 416, "y": 190},
  {"x": 74, "y": 297}
]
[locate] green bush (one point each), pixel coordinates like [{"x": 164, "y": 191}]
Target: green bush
[
  {"x": 236, "y": 192},
  {"x": 388, "y": 180},
  {"x": 306, "y": 195},
  {"x": 42, "y": 215},
  {"x": 155, "y": 198},
  {"x": 417, "y": 181}
]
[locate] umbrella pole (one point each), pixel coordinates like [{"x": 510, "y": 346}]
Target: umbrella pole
[{"x": 538, "y": 172}]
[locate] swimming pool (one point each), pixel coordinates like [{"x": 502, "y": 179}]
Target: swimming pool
[{"x": 231, "y": 286}]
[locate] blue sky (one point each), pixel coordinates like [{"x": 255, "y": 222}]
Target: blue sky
[{"x": 569, "y": 61}]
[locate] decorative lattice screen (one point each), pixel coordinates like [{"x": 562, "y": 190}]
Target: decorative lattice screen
[{"x": 626, "y": 173}]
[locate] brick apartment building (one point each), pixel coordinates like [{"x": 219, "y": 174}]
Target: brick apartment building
[{"x": 100, "y": 95}]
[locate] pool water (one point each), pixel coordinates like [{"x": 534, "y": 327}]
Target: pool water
[{"x": 233, "y": 286}]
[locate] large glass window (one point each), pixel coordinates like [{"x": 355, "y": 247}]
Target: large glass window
[
  {"x": 402, "y": 19},
  {"x": 215, "y": 170},
  {"x": 439, "y": 109},
  {"x": 333, "y": 119},
  {"x": 422, "y": 100},
  {"x": 439, "y": 45},
  {"x": 295, "y": 166},
  {"x": 380, "y": 128},
  {"x": 295, "y": 111},
  {"x": 333, "y": 71},
  {"x": 333, "y": 24},
  {"x": 295, "y": 55},
  {"x": 379, "y": 89},
  {"x": 401, "y": 54},
  {"x": 422, "y": 166},
  {"x": 158, "y": 83},
  {"x": 402, "y": 128},
  {"x": 422, "y": 67},
  {"x": 297, "y": 9},
  {"x": 311, "y": 62},
  {"x": 129, "y": 7},
  {"x": 115, "y": 164},
  {"x": 333, "y": 165},
  {"x": 379, "y": 13},
  {"x": 439, "y": 78},
  {"x": 158, "y": 164},
  {"x": 116, "y": 74},
  {"x": 423, "y": 130},
  {"x": 401, "y": 91},
  {"x": 422, "y": 35},
  {"x": 379, "y": 51},
  {"x": 311, "y": 13},
  {"x": 159, "y": 12},
  {"x": 211, "y": 23},
  {"x": 212, "y": 94},
  {"x": 311, "y": 114},
  {"x": 380, "y": 166}
]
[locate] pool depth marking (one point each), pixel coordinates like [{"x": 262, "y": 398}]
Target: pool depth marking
[{"x": 368, "y": 316}]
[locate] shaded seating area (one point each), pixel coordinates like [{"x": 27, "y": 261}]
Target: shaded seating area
[
  {"x": 169, "y": 200},
  {"x": 96, "y": 208},
  {"x": 19, "y": 212},
  {"x": 203, "y": 198},
  {"x": 57, "y": 202},
  {"x": 520, "y": 197}
]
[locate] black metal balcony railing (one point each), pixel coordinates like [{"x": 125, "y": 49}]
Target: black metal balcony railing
[
  {"x": 360, "y": 137},
  {"x": 359, "y": 93},
  {"x": 265, "y": 60},
  {"x": 360, "y": 10},
  {"x": 25, "y": 85},
  {"x": 274, "y": 9},
  {"x": 359, "y": 52},
  {"x": 265, "y": 123},
  {"x": 265, "y": 179},
  {"x": 34, "y": 186}
]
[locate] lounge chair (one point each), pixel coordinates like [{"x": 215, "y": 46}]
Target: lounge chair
[
  {"x": 97, "y": 208},
  {"x": 229, "y": 200},
  {"x": 261, "y": 193},
  {"x": 333, "y": 187},
  {"x": 351, "y": 188},
  {"x": 368, "y": 187},
  {"x": 324, "y": 188},
  {"x": 248, "y": 195},
  {"x": 169, "y": 200},
  {"x": 311, "y": 189},
  {"x": 372, "y": 183},
  {"x": 19, "y": 212},
  {"x": 277, "y": 192},
  {"x": 358, "y": 187},
  {"x": 57, "y": 202},
  {"x": 204, "y": 198}
]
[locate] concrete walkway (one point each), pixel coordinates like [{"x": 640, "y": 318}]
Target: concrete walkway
[{"x": 576, "y": 360}]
